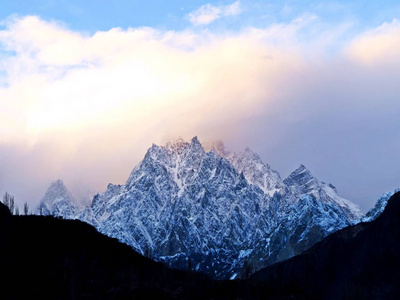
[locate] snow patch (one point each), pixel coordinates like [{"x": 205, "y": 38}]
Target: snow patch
[{"x": 244, "y": 253}]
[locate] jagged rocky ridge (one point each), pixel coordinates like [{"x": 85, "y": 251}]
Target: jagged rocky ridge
[
  {"x": 358, "y": 262},
  {"x": 215, "y": 211}
]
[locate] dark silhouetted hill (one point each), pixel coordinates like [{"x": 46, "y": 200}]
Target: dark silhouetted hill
[{"x": 42, "y": 257}]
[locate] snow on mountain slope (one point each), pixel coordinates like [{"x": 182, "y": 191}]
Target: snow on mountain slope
[
  {"x": 301, "y": 181},
  {"x": 254, "y": 170},
  {"x": 379, "y": 207},
  {"x": 300, "y": 227},
  {"x": 182, "y": 203},
  {"x": 57, "y": 201},
  {"x": 216, "y": 211}
]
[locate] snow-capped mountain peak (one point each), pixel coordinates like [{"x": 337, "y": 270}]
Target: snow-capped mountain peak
[
  {"x": 57, "y": 201},
  {"x": 301, "y": 180},
  {"x": 254, "y": 170},
  {"x": 215, "y": 210},
  {"x": 179, "y": 146}
]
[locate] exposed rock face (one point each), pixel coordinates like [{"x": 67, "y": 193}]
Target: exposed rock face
[
  {"x": 301, "y": 181},
  {"x": 254, "y": 170},
  {"x": 217, "y": 212},
  {"x": 358, "y": 262}
]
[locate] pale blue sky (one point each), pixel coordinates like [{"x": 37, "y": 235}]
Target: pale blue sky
[{"x": 92, "y": 15}]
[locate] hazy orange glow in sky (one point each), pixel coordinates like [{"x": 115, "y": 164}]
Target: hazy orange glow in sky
[{"x": 85, "y": 107}]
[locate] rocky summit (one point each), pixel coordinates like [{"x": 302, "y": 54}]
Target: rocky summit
[{"x": 214, "y": 211}]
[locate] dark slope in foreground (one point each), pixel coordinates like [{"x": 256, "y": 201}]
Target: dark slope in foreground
[
  {"x": 358, "y": 262},
  {"x": 50, "y": 258}
]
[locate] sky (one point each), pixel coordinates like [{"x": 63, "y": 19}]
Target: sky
[{"x": 86, "y": 87}]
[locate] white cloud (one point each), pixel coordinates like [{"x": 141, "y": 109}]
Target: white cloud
[
  {"x": 232, "y": 9},
  {"x": 85, "y": 108},
  {"x": 61, "y": 80},
  {"x": 99, "y": 100},
  {"x": 208, "y": 13},
  {"x": 378, "y": 45}
]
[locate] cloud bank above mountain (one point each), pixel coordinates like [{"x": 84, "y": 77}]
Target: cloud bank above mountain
[{"x": 85, "y": 107}]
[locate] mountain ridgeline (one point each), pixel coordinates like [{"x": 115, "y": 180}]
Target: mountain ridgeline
[{"x": 214, "y": 211}]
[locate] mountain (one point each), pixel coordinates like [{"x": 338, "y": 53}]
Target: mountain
[
  {"x": 358, "y": 262},
  {"x": 57, "y": 201},
  {"x": 186, "y": 207},
  {"x": 301, "y": 181},
  {"x": 298, "y": 183},
  {"x": 254, "y": 170},
  {"x": 218, "y": 212}
]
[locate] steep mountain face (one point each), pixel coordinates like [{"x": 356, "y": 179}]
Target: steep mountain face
[
  {"x": 217, "y": 212},
  {"x": 186, "y": 207},
  {"x": 298, "y": 183},
  {"x": 254, "y": 170},
  {"x": 358, "y": 262},
  {"x": 301, "y": 181},
  {"x": 57, "y": 201},
  {"x": 300, "y": 227}
]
